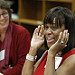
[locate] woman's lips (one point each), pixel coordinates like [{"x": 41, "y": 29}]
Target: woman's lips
[
  {"x": 2, "y": 23},
  {"x": 50, "y": 40}
]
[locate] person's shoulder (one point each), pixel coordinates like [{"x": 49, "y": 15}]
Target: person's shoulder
[
  {"x": 19, "y": 28},
  {"x": 69, "y": 63},
  {"x": 70, "y": 60},
  {"x": 68, "y": 66}
]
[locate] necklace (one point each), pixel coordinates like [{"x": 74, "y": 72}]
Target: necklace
[{"x": 59, "y": 53}]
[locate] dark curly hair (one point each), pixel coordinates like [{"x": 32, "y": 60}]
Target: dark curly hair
[{"x": 5, "y": 5}]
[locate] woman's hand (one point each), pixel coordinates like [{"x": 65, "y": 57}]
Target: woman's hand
[
  {"x": 60, "y": 44},
  {"x": 36, "y": 43},
  {"x": 38, "y": 37},
  {"x": 37, "y": 40}
]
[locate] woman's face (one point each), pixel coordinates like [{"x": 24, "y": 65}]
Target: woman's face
[
  {"x": 52, "y": 33},
  {"x": 4, "y": 18}
]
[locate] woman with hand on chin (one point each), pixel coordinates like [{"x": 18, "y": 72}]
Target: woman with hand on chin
[
  {"x": 14, "y": 43},
  {"x": 58, "y": 33}
]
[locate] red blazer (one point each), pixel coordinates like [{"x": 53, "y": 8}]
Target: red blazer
[{"x": 20, "y": 46}]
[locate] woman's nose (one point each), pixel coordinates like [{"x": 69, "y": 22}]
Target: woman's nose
[
  {"x": 1, "y": 17},
  {"x": 48, "y": 32}
]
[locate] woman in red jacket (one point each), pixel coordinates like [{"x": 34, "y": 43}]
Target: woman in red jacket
[
  {"x": 14, "y": 43},
  {"x": 58, "y": 33}
]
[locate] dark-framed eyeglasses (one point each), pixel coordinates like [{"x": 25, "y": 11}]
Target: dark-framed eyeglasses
[{"x": 5, "y": 14}]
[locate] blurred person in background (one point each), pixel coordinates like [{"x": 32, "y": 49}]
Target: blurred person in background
[{"x": 14, "y": 43}]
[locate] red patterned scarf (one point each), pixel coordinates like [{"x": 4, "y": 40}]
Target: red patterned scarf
[{"x": 6, "y": 45}]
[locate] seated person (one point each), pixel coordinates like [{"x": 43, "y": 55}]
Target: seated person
[
  {"x": 14, "y": 43},
  {"x": 58, "y": 33}
]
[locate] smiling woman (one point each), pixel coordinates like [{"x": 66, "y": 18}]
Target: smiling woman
[
  {"x": 14, "y": 43},
  {"x": 58, "y": 33},
  {"x": 4, "y": 20},
  {"x": 52, "y": 33}
]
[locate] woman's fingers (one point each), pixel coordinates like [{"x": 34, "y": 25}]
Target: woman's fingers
[
  {"x": 39, "y": 32},
  {"x": 63, "y": 38},
  {"x": 60, "y": 37},
  {"x": 67, "y": 37},
  {"x": 36, "y": 31}
]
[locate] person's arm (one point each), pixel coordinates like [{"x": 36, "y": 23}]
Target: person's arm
[
  {"x": 29, "y": 65},
  {"x": 22, "y": 48},
  {"x": 36, "y": 43},
  {"x": 67, "y": 68}
]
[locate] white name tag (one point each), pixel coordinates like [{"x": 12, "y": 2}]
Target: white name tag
[
  {"x": 2, "y": 54},
  {"x": 57, "y": 62}
]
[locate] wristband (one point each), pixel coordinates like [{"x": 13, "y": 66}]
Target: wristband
[
  {"x": 30, "y": 57},
  {"x": 1, "y": 74}
]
